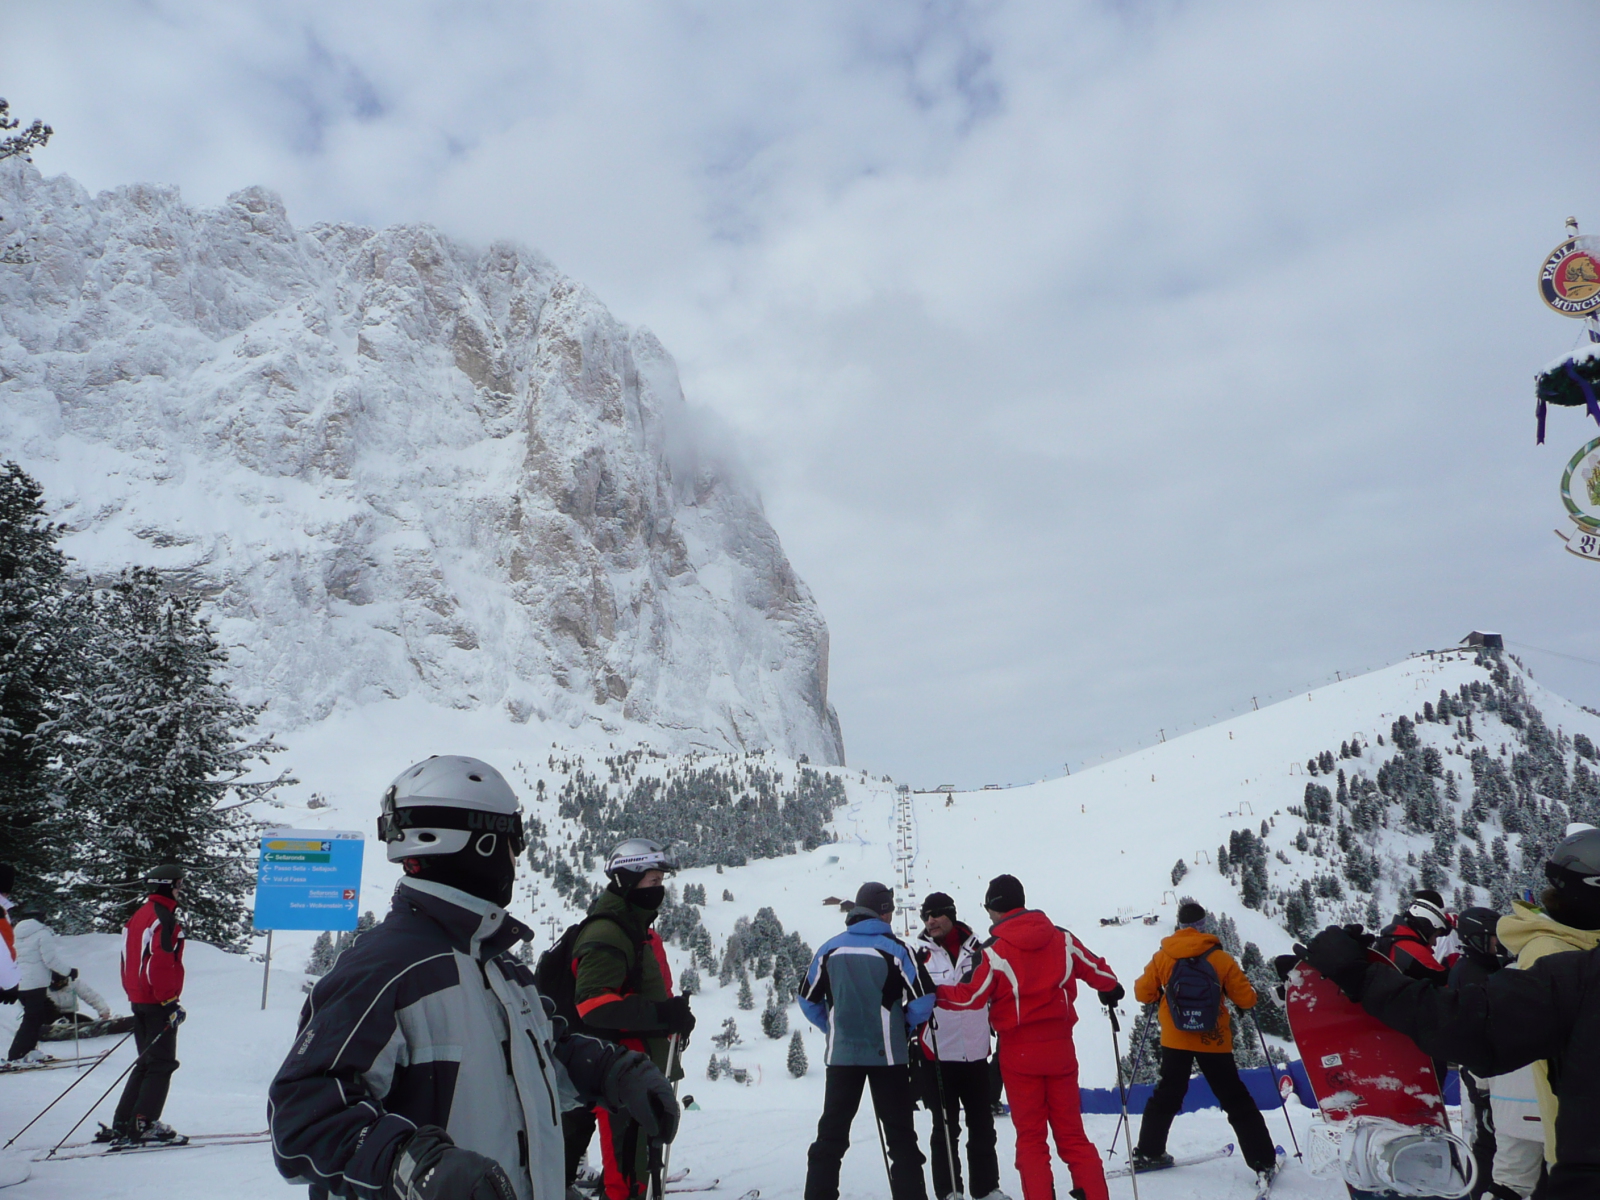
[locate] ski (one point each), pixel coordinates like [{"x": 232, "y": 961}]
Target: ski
[
  {"x": 193, "y": 1137},
  {"x": 1193, "y": 1160},
  {"x": 104, "y": 1151},
  {"x": 697, "y": 1187},
  {"x": 51, "y": 1064},
  {"x": 1264, "y": 1186}
]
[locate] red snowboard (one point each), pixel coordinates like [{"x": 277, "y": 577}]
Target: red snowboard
[{"x": 1357, "y": 1065}]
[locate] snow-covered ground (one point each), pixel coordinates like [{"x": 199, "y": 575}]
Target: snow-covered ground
[{"x": 1096, "y": 845}]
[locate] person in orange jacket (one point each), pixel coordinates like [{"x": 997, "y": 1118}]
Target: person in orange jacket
[{"x": 1198, "y": 1032}]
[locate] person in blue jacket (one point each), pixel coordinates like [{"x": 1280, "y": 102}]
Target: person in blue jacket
[{"x": 863, "y": 991}]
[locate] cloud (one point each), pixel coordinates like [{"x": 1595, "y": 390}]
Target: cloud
[{"x": 1102, "y": 364}]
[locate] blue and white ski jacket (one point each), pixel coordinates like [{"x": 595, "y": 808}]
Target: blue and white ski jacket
[{"x": 862, "y": 990}]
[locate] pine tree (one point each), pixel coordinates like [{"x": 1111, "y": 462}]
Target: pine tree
[
  {"x": 747, "y": 1000},
  {"x": 155, "y": 768},
  {"x": 797, "y": 1056},
  {"x": 1179, "y": 870},
  {"x": 774, "y": 1021},
  {"x": 713, "y": 1069},
  {"x": 729, "y": 1035},
  {"x": 322, "y": 956},
  {"x": 689, "y": 983},
  {"x": 37, "y": 644}
]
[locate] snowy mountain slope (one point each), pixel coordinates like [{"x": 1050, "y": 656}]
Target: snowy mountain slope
[{"x": 398, "y": 467}]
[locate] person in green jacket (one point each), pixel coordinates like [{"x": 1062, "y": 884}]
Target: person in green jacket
[{"x": 623, "y": 991}]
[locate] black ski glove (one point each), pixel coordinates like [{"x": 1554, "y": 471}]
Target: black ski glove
[
  {"x": 1342, "y": 956},
  {"x": 634, "y": 1086},
  {"x": 8, "y": 995},
  {"x": 429, "y": 1166},
  {"x": 674, "y": 1016},
  {"x": 1113, "y": 997}
]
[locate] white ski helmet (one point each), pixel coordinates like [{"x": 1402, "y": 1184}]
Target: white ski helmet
[
  {"x": 636, "y": 856},
  {"x": 441, "y": 804},
  {"x": 1423, "y": 911}
]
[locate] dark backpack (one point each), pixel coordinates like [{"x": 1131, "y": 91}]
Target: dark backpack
[
  {"x": 557, "y": 981},
  {"x": 1194, "y": 994}
]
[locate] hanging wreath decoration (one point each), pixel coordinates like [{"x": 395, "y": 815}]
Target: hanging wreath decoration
[{"x": 1569, "y": 383}]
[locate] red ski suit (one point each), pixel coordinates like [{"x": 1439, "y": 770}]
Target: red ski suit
[
  {"x": 1028, "y": 978},
  {"x": 152, "y": 953}
]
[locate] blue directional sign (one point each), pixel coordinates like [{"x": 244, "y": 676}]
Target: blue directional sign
[{"x": 308, "y": 879}]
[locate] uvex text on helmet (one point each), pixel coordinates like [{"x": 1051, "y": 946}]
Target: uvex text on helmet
[{"x": 441, "y": 804}]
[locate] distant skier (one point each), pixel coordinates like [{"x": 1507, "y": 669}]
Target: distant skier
[
  {"x": 862, "y": 990},
  {"x": 426, "y": 1066},
  {"x": 9, "y": 991},
  {"x": 622, "y": 990},
  {"x": 1481, "y": 956},
  {"x": 1409, "y": 940},
  {"x": 38, "y": 957},
  {"x": 1192, "y": 974},
  {"x": 152, "y": 976},
  {"x": 1028, "y": 979},
  {"x": 955, "y": 1046},
  {"x": 68, "y": 993}
]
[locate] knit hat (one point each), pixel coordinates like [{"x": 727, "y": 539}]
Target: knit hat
[
  {"x": 938, "y": 904},
  {"x": 875, "y": 897},
  {"x": 1005, "y": 894},
  {"x": 1191, "y": 915}
]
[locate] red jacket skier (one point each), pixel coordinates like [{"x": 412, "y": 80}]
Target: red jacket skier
[
  {"x": 1409, "y": 940},
  {"x": 152, "y": 975},
  {"x": 1028, "y": 978}
]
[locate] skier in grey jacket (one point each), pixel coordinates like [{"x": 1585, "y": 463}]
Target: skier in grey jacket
[{"x": 427, "y": 1066}]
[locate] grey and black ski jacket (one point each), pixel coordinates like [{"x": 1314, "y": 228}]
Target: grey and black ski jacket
[{"x": 429, "y": 1020}]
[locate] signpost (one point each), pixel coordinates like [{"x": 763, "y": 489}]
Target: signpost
[{"x": 307, "y": 879}]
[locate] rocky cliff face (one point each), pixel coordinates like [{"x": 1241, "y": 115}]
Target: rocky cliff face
[{"x": 397, "y": 465}]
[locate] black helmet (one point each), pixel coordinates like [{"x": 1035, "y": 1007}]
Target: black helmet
[
  {"x": 166, "y": 873},
  {"x": 1476, "y": 929},
  {"x": 1573, "y": 870}
]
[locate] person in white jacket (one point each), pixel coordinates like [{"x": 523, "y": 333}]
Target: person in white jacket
[
  {"x": 38, "y": 955},
  {"x": 954, "y": 1073},
  {"x": 67, "y": 992}
]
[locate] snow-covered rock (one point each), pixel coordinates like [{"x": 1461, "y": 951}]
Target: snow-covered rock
[{"x": 398, "y": 466}]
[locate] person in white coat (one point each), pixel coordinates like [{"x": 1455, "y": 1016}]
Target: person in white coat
[
  {"x": 38, "y": 956},
  {"x": 954, "y": 1073},
  {"x": 68, "y": 992}
]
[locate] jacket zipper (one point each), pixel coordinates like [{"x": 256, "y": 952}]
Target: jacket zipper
[{"x": 544, "y": 1074}]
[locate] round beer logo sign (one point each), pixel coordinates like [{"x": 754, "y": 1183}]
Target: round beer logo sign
[
  {"x": 1580, "y": 487},
  {"x": 1569, "y": 281}
]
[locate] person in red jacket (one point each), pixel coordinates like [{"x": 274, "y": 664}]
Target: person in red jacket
[
  {"x": 152, "y": 975},
  {"x": 1028, "y": 978}
]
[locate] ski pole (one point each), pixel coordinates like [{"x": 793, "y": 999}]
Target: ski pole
[
  {"x": 75, "y": 1055},
  {"x": 1138, "y": 1057},
  {"x": 172, "y": 1023},
  {"x": 942, "y": 1117},
  {"x": 660, "y": 1175},
  {"x": 63, "y": 1095},
  {"x": 1122, "y": 1093},
  {"x": 1283, "y": 1101}
]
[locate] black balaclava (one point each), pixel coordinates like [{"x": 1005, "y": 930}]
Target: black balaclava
[
  {"x": 626, "y": 885},
  {"x": 484, "y": 867}
]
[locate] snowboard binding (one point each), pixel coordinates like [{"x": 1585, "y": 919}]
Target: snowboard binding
[{"x": 1376, "y": 1154}]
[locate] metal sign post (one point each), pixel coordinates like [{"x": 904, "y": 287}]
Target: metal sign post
[{"x": 307, "y": 879}]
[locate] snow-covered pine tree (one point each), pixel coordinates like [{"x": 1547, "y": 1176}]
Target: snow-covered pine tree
[
  {"x": 797, "y": 1056},
  {"x": 1179, "y": 870},
  {"x": 747, "y": 1000},
  {"x": 713, "y": 1069},
  {"x": 322, "y": 956},
  {"x": 155, "y": 766},
  {"x": 689, "y": 982},
  {"x": 38, "y": 640},
  {"x": 774, "y": 1021}
]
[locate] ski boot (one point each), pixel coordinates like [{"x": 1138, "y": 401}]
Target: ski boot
[
  {"x": 107, "y": 1134},
  {"x": 147, "y": 1131},
  {"x": 1149, "y": 1162}
]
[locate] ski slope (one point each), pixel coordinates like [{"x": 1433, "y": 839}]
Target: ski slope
[{"x": 1097, "y": 845}]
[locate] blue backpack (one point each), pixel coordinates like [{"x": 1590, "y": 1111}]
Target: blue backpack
[{"x": 1194, "y": 994}]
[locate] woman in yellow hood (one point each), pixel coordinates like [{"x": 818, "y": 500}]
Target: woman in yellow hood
[{"x": 1570, "y": 921}]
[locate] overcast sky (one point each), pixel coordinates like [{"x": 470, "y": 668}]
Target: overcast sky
[{"x": 1101, "y": 364}]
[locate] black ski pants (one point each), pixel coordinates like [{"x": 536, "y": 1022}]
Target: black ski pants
[
  {"x": 145, "y": 1093},
  {"x": 38, "y": 1011},
  {"x": 577, "y": 1131},
  {"x": 1222, "y": 1074},
  {"x": 947, "y": 1088},
  {"x": 892, "y": 1099}
]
